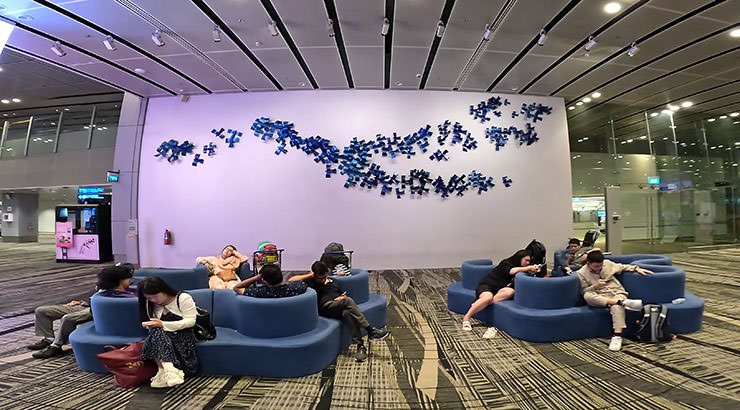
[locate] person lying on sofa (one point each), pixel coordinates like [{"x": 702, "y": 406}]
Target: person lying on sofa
[
  {"x": 223, "y": 267},
  {"x": 112, "y": 282},
  {"x": 170, "y": 316},
  {"x": 338, "y": 263},
  {"x": 334, "y": 303},
  {"x": 600, "y": 288},
  {"x": 274, "y": 287},
  {"x": 498, "y": 285}
]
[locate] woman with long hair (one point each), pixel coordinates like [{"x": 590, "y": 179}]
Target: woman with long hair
[
  {"x": 170, "y": 317},
  {"x": 498, "y": 284},
  {"x": 223, "y": 267}
]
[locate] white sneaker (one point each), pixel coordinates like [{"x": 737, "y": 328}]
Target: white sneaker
[
  {"x": 159, "y": 380},
  {"x": 616, "y": 344},
  {"x": 490, "y": 333},
  {"x": 632, "y": 304},
  {"x": 175, "y": 378}
]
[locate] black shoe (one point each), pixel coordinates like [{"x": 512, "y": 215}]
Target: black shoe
[
  {"x": 361, "y": 354},
  {"x": 50, "y": 351},
  {"x": 378, "y": 334},
  {"x": 41, "y": 344}
]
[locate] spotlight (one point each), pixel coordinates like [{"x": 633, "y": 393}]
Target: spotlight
[
  {"x": 216, "y": 35},
  {"x": 440, "y": 28},
  {"x": 330, "y": 27},
  {"x": 543, "y": 37},
  {"x": 157, "y": 38},
  {"x": 633, "y": 50},
  {"x": 612, "y": 8},
  {"x": 596, "y": 95},
  {"x": 487, "y": 33},
  {"x": 272, "y": 26},
  {"x": 591, "y": 43},
  {"x": 686, "y": 104},
  {"x": 109, "y": 43},
  {"x": 386, "y": 26},
  {"x": 57, "y": 49}
]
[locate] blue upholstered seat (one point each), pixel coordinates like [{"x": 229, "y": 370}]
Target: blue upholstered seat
[
  {"x": 552, "y": 309},
  {"x": 282, "y": 337},
  {"x": 179, "y": 279}
]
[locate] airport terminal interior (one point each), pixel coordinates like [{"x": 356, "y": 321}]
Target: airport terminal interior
[{"x": 377, "y": 204}]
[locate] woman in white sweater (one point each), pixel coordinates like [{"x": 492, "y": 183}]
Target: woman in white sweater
[{"x": 170, "y": 317}]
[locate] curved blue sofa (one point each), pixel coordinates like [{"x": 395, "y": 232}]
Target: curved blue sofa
[
  {"x": 187, "y": 279},
  {"x": 553, "y": 310},
  {"x": 282, "y": 337}
]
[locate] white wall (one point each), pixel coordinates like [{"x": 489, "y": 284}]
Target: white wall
[{"x": 248, "y": 194}]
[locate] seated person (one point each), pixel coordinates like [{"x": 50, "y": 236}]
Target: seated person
[
  {"x": 223, "y": 268},
  {"x": 112, "y": 282},
  {"x": 601, "y": 288},
  {"x": 575, "y": 258},
  {"x": 498, "y": 285},
  {"x": 334, "y": 303},
  {"x": 338, "y": 263},
  {"x": 274, "y": 287}
]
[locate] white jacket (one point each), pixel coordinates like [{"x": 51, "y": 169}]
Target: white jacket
[{"x": 186, "y": 311}]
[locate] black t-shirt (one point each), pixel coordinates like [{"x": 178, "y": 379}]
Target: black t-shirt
[
  {"x": 325, "y": 293},
  {"x": 499, "y": 277}
]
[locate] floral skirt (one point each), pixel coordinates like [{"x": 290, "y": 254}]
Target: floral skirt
[{"x": 175, "y": 347}]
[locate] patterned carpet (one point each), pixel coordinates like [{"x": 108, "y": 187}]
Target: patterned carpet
[{"x": 427, "y": 362}]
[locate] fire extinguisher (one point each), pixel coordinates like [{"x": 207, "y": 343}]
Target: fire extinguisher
[{"x": 167, "y": 237}]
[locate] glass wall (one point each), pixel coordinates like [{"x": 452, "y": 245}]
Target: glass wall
[
  {"x": 678, "y": 175},
  {"x": 59, "y": 129}
]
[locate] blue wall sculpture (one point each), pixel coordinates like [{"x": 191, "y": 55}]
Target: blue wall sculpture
[{"x": 355, "y": 161}]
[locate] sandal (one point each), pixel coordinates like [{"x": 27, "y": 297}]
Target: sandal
[{"x": 466, "y": 326}]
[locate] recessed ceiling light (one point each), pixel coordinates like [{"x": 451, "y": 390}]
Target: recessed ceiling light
[
  {"x": 673, "y": 107},
  {"x": 655, "y": 114},
  {"x": 711, "y": 120},
  {"x": 735, "y": 33},
  {"x": 612, "y": 7},
  {"x": 257, "y": 43},
  {"x": 686, "y": 104},
  {"x": 25, "y": 17},
  {"x": 139, "y": 70},
  {"x": 17, "y": 100},
  {"x": 586, "y": 100},
  {"x": 1, "y": 69},
  {"x": 579, "y": 103},
  {"x": 302, "y": 84},
  {"x": 572, "y": 107},
  {"x": 734, "y": 114},
  {"x": 596, "y": 95},
  {"x": 722, "y": 117},
  {"x": 66, "y": 109},
  {"x": 5, "y": 101},
  {"x": 666, "y": 112},
  {"x": 399, "y": 83}
]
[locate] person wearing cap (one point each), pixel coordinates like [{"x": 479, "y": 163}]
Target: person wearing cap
[
  {"x": 336, "y": 260},
  {"x": 113, "y": 282}
]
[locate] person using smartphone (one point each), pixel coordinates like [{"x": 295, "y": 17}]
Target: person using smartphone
[
  {"x": 334, "y": 303},
  {"x": 170, "y": 317}
]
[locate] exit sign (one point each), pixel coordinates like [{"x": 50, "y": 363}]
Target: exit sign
[{"x": 654, "y": 180}]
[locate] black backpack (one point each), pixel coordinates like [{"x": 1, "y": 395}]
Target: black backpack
[
  {"x": 537, "y": 249},
  {"x": 653, "y": 326}
]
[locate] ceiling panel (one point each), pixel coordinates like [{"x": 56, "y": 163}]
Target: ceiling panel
[
  {"x": 406, "y": 67},
  {"x": 326, "y": 66},
  {"x": 528, "y": 68},
  {"x": 366, "y": 64},
  {"x": 619, "y": 35},
  {"x": 463, "y": 33},
  {"x": 361, "y": 22},
  {"x": 415, "y": 22},
  {"x": 519, "y": 28},
  {"x": 306, "y": 21},
  {"x": 290, "y": 76},
  {"x": 244, "y": 70}
]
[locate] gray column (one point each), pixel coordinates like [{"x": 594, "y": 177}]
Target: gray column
[
  {"x": 24, "y": 211},
  {"x": 613, "y": 198},
  {"x": 124, "y": 208}
]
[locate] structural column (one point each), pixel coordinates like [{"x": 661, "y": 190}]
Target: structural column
[
  {"x": 20, "y": 217},
  {"x": 124, "y": 207}
]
